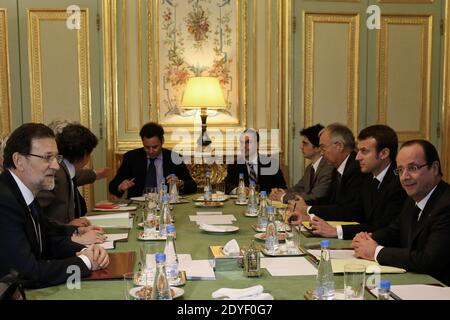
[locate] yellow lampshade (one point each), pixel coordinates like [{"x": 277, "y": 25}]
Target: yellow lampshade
[{"x": 203, "y": 92}]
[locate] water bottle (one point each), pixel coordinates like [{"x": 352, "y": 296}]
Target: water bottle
[
  {"x": 262, "y": 216},
  {"x": 171, "y": 255},
  {"x": 325, "y": 279},
  {"x": 165, "y": 217},
  {"x": 271, "y": 243},
  {"x": 173, "y": 190},
  {"x": 384, "y": 290},
  {"x": 252, "y": 205},
  {"x": 242, "y": 197},
  {"x": 161, "y": 290},
  {"x": 207, "y": 196}
]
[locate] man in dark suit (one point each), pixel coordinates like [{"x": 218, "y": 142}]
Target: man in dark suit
[
  {"x": 382, "y": 194},
  {"x": 39, "y": 250},
  {"x": 314, "y": 186},
  {"x": 337, "y": 143},
  {"x": 419, "y": 239},
  {"x": 63, "y": 204},
  {"x": 260, "y": 169},
  {"x": 148, "y": 166}
]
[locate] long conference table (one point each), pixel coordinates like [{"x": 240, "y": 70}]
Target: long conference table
[{"x": 192, "y": 240}]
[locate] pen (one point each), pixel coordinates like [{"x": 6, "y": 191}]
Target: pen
[{"x": 132, "y": 180}]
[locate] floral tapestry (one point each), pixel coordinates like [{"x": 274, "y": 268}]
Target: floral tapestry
[{"x": 197, "y": 38}]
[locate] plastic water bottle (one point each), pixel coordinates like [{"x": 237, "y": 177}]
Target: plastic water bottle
[
  {"x": 262, "y": 216},
  {"x": 207, "y": 195},
  {"x": 242, "y": 197},
  {"x": 171, "y": 255},
  {"x": 325, "y": 279},
  {"x": 252, "y": 205},
  {"x": 165, "y": 217},
  {"x": 384, "y": 290},
  {"x": 271, "y": 243},
  {"x": 173, "y": 190},
  {"x": 161, "y": 289}
]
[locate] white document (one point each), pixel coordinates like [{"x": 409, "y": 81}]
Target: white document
[
  {"x": 288, "y": 266},
  {"x": 199, "y": 270},
  {"x": 335, "y": 254},
  {"x": 421, "y": 292},
  {"x": 122, "y": 215},
  {"x": 116, "y": 236},
  {"x": 107, "y": 245},
  {"x": 204, "y": 213},
  {"x": 213, "y": 219}
]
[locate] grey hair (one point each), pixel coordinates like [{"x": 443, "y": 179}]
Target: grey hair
[
  {"x": 58, "y": 125},
  {"x": 341, "y": 133}
]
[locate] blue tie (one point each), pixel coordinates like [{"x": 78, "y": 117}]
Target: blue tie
[{"x": 34, "y": 210}]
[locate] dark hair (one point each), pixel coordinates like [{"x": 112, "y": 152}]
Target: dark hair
[
  {"x": 312, "y": 133},
  {"x": 430, "y": 152},
  {"x": 385, "y": 137},
  {"x": 20, "y": 141},
  {"x": 75, "y": 142},
  {"x": 341, "y": 133},
  {"x": 252, "y": 131},
  {"x": 152, "y": 129}
]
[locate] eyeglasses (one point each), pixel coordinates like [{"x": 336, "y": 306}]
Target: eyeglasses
[
  {"x": 48, "y": 157},
  {"x": 412, "y": 168},
  {"x": 325, "y": 146}
]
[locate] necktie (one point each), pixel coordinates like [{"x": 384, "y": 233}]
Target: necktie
[
  {"x": 252, "y": 174},
  {"x": 415, "y": 218},
  {"x": 311, "y": 178},
  {"x": 150, "y": 180},
  {"x": 34, "y": 211},
  {"x": 373, "y": 190},
  {"x": 80, "y": 203}
]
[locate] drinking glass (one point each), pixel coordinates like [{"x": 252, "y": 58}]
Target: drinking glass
[{"x": 354, "y": 280}]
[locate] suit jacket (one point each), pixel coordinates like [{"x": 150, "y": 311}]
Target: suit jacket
[
  {"x": 19, "y": 248},
  {"x": 320, "y": 187},
  {"x": 58, "y": 204},
  {"x": 265, "y": 181},
  {"x": 379, "y": 208},
  {"x": 423, "y": 248},
  {"x": 134, "y": 165},
  {"x": 345, "y": 198}
]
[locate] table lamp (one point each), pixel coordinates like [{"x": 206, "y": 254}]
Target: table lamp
[{"x": 204, "y": 93}]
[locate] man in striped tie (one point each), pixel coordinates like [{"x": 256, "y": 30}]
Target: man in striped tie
[{"x": 264, "y": 171}]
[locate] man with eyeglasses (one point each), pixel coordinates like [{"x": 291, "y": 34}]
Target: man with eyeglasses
[
  {"x": 314, "y": 186},
  {"x": 63, "y": 204},
  {"x": 382, "y": 194},
  {"x": 337, "y": 144},
  {"x": 39, "y": 250},
  {"x": 418, "y": 240},
  {"x": 147, "y": 167}
]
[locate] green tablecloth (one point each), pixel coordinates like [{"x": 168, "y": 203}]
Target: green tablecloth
[{"x": 190, "y": 239}]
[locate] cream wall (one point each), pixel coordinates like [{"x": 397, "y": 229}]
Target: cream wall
[{"x": 298, "y": 58}]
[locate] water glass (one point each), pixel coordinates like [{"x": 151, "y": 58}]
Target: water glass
[
  {"x": 354, "y": 280},
  {"x": 150, "y": 221},
  {"x": 293, "y": 241}
]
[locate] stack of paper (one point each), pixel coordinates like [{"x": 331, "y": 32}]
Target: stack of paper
[
  {"x": 335, "y": 254},
  {"x": 195, "y": 269},
  {"x": 288, "y": 266},
  {"x": 371, "y": 266},
  {"x": 204, "y": 213},
  {"x": 213, "y": 219},
  {"x": 421, "y": 292},
  {"x": 115, "y": 220}
]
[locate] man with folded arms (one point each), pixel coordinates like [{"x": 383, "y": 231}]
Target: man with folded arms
[
  {"x": 382, "y": 194},
  {"x": 314, "y": 186},
  {"x": 39, "y": 250},
  {"x": 418, "y": 240},
  {"x": 337, "y": 144}
]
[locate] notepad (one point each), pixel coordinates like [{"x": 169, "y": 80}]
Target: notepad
[
  {"x": 371, "y": 266},
  {"x": 421, "y": 292},
  {"x": 335, "y": 254},
  {"x": 205, "y": 213},
  {"x": 195, "y": 269},
  {"x": 115, "y": 220},
  {"x": 107, "y": 245},
  {"x": 116, "y": 236}
]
